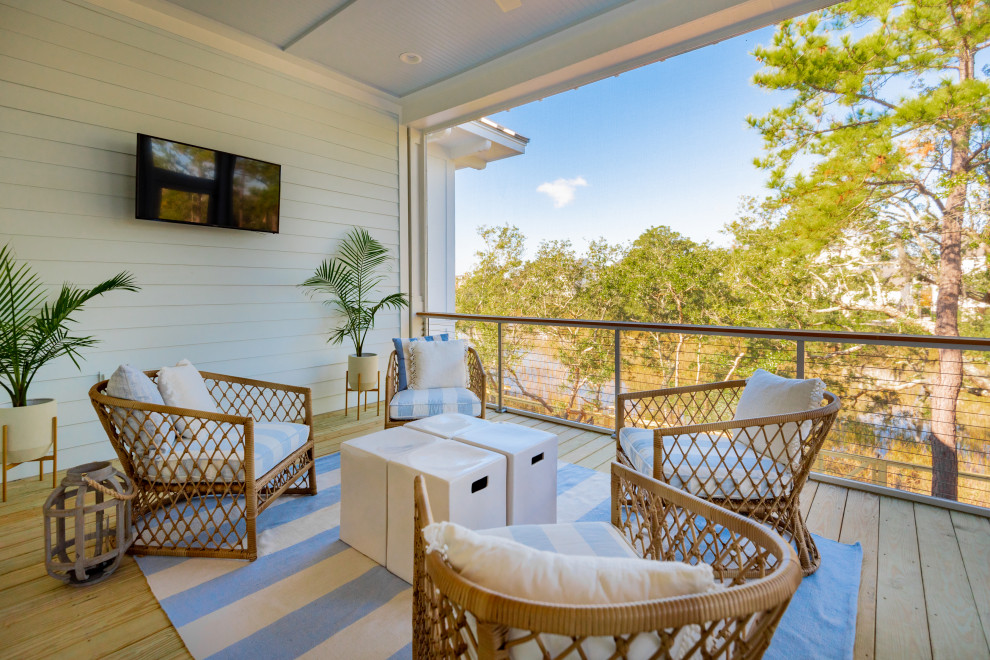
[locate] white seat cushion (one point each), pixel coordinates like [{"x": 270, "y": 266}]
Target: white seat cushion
[
  {"x": 210, "y": 457},
  {"x": 521, "y": 571},
  {"x": 767, "y": 395},
  {"x": 402, "y": 356},
  {"x": 414, "y": 404},
  {"x": 437, "y": 364},
  {"x": 594, "y": 539},
  {"x": 144, "y": 432},
  {"x": 588, "y": 539},
  {"x": 706, "y": 467}
]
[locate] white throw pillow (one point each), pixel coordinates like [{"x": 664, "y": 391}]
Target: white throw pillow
[
  {"x": 182, "y": 386},
  {"x": 517, "y": 570},
  {"x": 766, "y": 395},
  {"x": 435, "y": 364},
  {"x": 146, "y": 432}
]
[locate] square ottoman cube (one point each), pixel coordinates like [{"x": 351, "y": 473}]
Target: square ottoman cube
[
  {"x": 447, "y": 425},
  {"x": 364, "y": 486},
  {"x": 531, "y": 480},
  {"x": 465, "y": 485}
]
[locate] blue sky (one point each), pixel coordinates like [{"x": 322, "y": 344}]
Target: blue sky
[{"x": 664, "y": 144}]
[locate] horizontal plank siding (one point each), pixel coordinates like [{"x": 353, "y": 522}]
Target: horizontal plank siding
[{"x": 76, "y": 84}]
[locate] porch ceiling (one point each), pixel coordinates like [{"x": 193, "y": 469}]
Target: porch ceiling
[{"x": 478, "y": 58}]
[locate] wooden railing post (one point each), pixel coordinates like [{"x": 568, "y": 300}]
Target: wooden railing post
[{"x": 800, "y": 358}]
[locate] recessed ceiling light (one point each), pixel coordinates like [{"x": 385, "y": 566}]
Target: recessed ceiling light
[{"x": 410, "y": 58}]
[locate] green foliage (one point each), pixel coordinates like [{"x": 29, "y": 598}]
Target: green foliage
[
  {"x": 350, "y": 280},
  {"x": 34, "y": 331},
  {"x": 876, "y": 219},
  {"x": 883, "y": 92}
]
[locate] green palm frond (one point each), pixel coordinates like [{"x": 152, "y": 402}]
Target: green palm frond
[
  {"x": 33, "y": 332},
  {"x": 349, "y": 280}
]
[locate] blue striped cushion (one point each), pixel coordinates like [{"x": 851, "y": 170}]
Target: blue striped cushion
[
  {"x": 638, "y": 445},
  {"x": 215, "y": 461},
  {"x": 414, "y": 404},
  {"x": 713, "y": 468},
  {"x": 402, "y": 355},
  {"x": 596, "y": 539}
]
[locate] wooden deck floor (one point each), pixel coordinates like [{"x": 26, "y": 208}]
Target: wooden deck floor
[{"x": 925, "y": 583}]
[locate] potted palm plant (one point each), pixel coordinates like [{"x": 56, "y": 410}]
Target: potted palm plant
[
  {"x": 350, "y": 280},
  {"x": 33, "y": 332}
]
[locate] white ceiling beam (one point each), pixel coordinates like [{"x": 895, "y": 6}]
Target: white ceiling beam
[
  {"x": 469, "y": 146},
  {"x": 630, "y": 36},
  {"x": 320, "y": 22},
  {"x": 474, "y": 162}
]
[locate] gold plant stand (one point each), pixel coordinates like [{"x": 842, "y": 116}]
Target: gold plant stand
[{"x": 377, "y": 390}]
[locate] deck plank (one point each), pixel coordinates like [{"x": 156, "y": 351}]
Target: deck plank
[
  {"x": 807, "y": 497},
  {"x": 605, "y": 453},
  {"x": 953, "y": 620},
  {"x": 861, "y": 523},
  {"x": 825, "y": 516},
  {"x": 973, "y": 535},
  {"x": 902, "y": 622},
  {"x": 587, "y": 449},
  {"x": 575, "y": 444}
]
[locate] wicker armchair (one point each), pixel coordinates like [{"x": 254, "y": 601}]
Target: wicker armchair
[
  {"x": 456, "y": 618},
  {"x": 476, "y": 384},
  {"x": 755, "y": 467},
  {"x": 195, "y": 472}
]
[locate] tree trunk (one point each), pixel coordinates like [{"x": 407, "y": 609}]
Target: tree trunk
[
  {"x": 677, "y": 360},
  {"x": 945, "y": 462},
  {"x": 945, "y": 465}
]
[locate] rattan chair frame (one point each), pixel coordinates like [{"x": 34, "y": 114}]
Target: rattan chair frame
[
  {"x": 706, "y": 410},
  {"x": 246, "y": 401},
  {"x": 476, "y": 383},
  {"x": 758, "y": 568}
]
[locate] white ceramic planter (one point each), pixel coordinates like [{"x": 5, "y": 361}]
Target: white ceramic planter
[
  {"x": 29, "y": 429},
  {"x": 367, "y": 366}
]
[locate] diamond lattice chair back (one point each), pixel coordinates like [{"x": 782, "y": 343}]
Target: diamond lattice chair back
[
  {"x": 732, "y": 444},
  {"x": 755, "y": 575},
  {"x": 202, "y": 478}
]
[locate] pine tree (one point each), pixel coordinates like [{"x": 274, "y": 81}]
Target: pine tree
[{"x": 889, "y": 122}]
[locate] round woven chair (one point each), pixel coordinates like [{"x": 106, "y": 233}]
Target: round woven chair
[
  {"x": 456, "y": 618},
  {"x": 756, "y": 467},
  {"x": 199, "y": 485}
]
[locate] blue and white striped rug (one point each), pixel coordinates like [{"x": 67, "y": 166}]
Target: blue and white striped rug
[{"x": 309, "y": 595}]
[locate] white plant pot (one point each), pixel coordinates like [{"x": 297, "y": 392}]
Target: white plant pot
[
  {"x": 365, "y": 365},
  {"x": 29, "y": 429}
]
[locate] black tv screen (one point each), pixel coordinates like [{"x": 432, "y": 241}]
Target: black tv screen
[{"x": 178, "y": 182}]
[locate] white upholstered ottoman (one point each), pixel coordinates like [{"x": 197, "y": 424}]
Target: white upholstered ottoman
[
  {"x": 466, "y": 485},
  {"x": 447, "y": 425},
  {"x": 531, "y": 480},
  {"x": 364, "y": 486}
]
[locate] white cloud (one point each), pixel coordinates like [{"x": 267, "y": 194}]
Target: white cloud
[{"x": 561, "y": 191}]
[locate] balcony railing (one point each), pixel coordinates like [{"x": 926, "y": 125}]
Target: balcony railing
[{"x": 571, "y": 370}]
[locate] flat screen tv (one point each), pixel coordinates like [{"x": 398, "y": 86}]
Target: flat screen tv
[{"x": 178, "y": 182}]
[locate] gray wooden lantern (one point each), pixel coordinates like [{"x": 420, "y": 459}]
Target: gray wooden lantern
[{"x": 88, "y": 524}]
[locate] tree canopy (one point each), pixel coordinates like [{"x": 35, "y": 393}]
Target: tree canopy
[{"x": 874, "y": 217}]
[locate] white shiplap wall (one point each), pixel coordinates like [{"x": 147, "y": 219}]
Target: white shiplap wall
[{"x": 76, "y": 84}]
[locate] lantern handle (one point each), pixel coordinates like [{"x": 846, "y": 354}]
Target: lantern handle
[{"x": 110, "y": 492}]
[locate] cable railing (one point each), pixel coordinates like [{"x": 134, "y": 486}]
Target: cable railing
[{"x": 571, "y": 370}]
